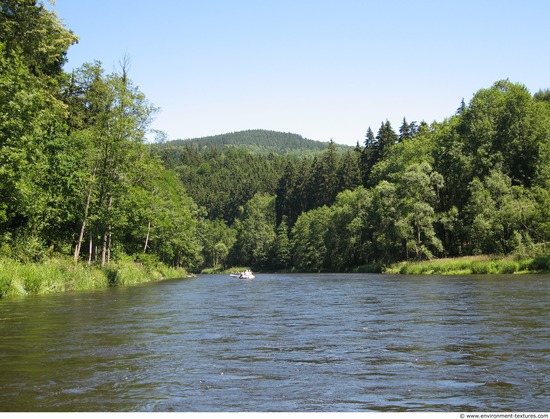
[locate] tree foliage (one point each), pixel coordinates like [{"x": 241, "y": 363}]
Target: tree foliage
[
  {"x": 74, "y": 166},
  {"x": 77, "y": 176}
]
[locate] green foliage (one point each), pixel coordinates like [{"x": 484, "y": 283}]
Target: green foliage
[
  {"x": 222, "y": 182},
  {"x": 501, "y": 216},
  {"x": 58, "y": 274},
  {"x": 174, "y": 233},
  {"x": 311, "y": 184},
  {"x": 459, "y": 187},
  {"x": 540, "y": 264},
  {"x": 256, "y": 234},
  {"x": 309, "y": 240},
  {"x": 478, "y": 265},
  {"x": 283, "y": 251},
  {"x": 452, "y": 188},
  {"x": 73, "y": 163},
  {"x": 377, "y": 149},
  {"x": 501, "y": 126},
  {"x": 261, "y": 142},
  {"x": 35, "y": 33},
  {"x": 370, "y": 268},
  {"x": 217, "y": 238},
  {"x": 77, "y": 177}
]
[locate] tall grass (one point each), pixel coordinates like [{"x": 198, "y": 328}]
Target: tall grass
[
  {"x": 60, "y": 274},
  {"x": 474, "y": 265}
]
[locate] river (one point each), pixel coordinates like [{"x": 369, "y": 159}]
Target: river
[{"x": 327, "y": 342}]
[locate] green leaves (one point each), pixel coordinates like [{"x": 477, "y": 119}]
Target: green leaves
[
  {"x": 36, "y": 34},
  {"x": 256, "y": 233},
  {"x": 74, "y": 165},
  {"x": 502, "y": 126},
  {"x": 501, "y": 216}
]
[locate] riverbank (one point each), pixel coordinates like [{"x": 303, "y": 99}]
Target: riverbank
[
  {"x": 59, "y": 275},
  {"x": 467, "y": 265},
  {"x": 474, "y": 265}
]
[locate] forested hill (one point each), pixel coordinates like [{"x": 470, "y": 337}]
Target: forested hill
[{"x": 260, "y": 141}]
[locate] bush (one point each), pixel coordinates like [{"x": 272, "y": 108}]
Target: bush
[
  {"x": 29, "y": 248},
  {"x": 508, "y": 266},
  {"x": 480, "y": 268},
  {"x": 148, "y": 261},
  {"x": 540, "y": 263},
  {"x": 112, "y": 276}
]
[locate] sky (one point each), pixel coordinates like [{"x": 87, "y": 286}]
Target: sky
[{"x": 324, "y": 69}]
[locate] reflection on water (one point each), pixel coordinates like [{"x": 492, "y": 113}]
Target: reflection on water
[{"x": 282, "y": 343}]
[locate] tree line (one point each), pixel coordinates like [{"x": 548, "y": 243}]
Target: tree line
[
  {"x": 475, "y": 183},
  {"x": 79, "y": 179},
  {"x": 257, "y": 141},
  {"x": 76, "y": 175}
]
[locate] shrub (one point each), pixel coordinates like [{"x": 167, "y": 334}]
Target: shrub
[
  {"x": 508, "y": 266},
  {"x": 540, "y": 263}
]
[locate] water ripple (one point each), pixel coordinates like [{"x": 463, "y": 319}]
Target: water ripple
[{"x": 282, "y": 343}]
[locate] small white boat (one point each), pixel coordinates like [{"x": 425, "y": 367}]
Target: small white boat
[{"x": 244, "y": 275}]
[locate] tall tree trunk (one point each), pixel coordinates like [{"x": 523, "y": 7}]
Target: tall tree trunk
[
  {"x": 147, "y": 237},
  {"x": 85, "y": 220},
  {"x": 418, "y": 243},
  {"x": 107, "y": 232},
  {"x": 90, "y": 251},
  {"x": 104, "y": 248},
  {"x": 109, "y": 246},
  {"x": 81, "y": 237}
]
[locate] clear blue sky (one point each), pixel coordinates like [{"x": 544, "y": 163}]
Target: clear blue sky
[{"x": 322, "y": 69}]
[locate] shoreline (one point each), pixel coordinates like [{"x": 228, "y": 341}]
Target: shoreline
[
  {"x": 61, "y": 275},
  {"x": 474, "y": 265},
  {"x": 464, "y": 265}
]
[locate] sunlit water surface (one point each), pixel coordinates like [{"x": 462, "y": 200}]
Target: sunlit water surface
[{"x": 282, "y": 343}]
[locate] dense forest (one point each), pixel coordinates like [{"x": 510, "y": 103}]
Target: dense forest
[
  {"x": 78, "y": 178},
  {"x": 259, "y": 141}
]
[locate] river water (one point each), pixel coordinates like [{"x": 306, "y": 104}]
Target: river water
[{"x": 282, "y": 343}]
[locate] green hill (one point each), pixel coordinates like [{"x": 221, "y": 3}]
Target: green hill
[{"x": 261, "y": 142}]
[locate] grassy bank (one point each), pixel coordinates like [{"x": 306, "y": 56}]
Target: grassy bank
[
  {"x": 59, "y": 275},
  {"x": 474, "y": 265}
]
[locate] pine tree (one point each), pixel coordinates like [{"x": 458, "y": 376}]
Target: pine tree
[
  {"x": 368, "y": 156},
  {"x": 407, "y": 131},
  {"x": 327, "y": 176},
  {"x": 386, "y": 138},
  {"x": 283, "y": 249},
  {"x": 349, "y": 173},
  {"x": 285, "y": 203},
  {"x": 404, "y": 133}
]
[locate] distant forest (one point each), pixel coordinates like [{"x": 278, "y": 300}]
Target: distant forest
[
  {"x": 260, "y": 141},
  {"x": 76, "y": 173}
]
